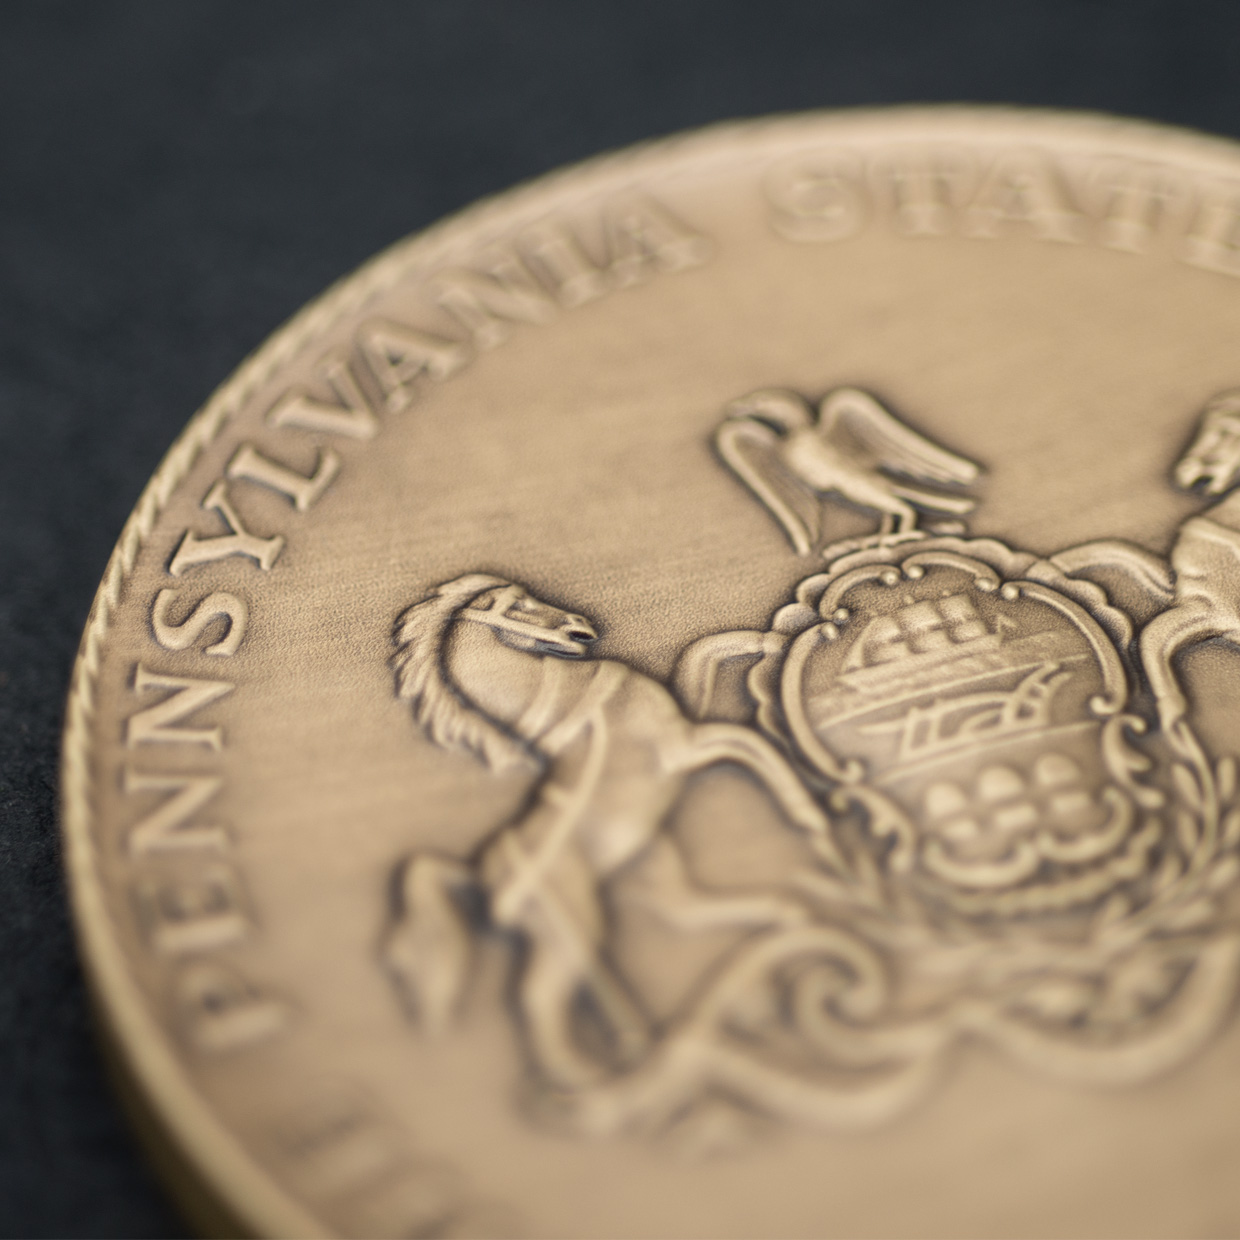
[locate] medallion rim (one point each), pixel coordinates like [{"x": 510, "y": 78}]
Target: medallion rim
[{"x": 144, "y": 1047}]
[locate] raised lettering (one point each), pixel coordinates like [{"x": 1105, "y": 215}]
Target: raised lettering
[
  {"x": 424, "y": 1199},
  {"x": 399, "y": 357},
  {"x": 250, "y": 465},
  {"x": 925, "y": 188},
  {"x": 168, "y": 825},
  {"x": 1023, "y": 189},
  {"x": 817, "y": 197},
  {"x": 338, "y": 1142},
  {"x": 193, "y": 550},
  {"x": 158, "y": 724},
  {"x": 489, "y": 301},
  {"x": 1214, "y": 240},
  {"x": 349, "y": 415},
  {"x": 644, "y": 237},
  {"x": 223, "y": 1010},
  {"x": 205, "y": 613},
  {"x": 1132, "y": 201},
  {"x": 194, "y": 912},
  {"x": 575, "y": 277}
]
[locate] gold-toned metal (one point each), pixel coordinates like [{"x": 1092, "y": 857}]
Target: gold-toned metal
[{"x": 699, "y": 697}]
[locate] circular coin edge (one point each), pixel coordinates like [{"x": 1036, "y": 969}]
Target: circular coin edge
[{"x": 146, "y": 1057}]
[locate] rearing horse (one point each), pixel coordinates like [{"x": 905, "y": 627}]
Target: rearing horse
[
  {"x": 490, "y": 669},
  {"x": 1205, "y": 559}
]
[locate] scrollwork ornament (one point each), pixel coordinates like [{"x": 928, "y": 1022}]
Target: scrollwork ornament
[{"x": 1015, "y": 835}]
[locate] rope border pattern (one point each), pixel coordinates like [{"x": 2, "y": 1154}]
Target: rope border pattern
[{"x": 212, "y": 1148}]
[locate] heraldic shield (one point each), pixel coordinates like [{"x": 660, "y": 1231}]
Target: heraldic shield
[
  {"x": 1013, "y": 833},
  {"x": 988, "y": 713}
]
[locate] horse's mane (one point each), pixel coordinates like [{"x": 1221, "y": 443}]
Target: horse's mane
[{"x": 419, "y": 635}]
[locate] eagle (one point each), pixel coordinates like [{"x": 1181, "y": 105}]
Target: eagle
[{"x": 790, "y": 456}]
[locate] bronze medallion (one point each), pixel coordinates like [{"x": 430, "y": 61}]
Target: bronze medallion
[{"x": 699, "y": 698}]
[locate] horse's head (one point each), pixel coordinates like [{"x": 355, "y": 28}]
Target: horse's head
[
  {"x": 1214, "y": 457},
  {"x": 525, "y": 623},
  {"x": 519, "y": 621}
]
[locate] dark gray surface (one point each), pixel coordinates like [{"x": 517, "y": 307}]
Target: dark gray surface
[{"x": 177, "y": 178}]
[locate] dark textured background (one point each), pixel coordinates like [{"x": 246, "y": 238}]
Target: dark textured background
[{"x": 177, "y": 178}]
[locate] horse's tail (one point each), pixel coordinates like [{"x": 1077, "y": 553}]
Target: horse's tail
[{"x": 428, "y": 949}]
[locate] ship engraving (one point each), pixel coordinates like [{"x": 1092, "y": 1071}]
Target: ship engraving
[{"x": 1010, "y": 830}]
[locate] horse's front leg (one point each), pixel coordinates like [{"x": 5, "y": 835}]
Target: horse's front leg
[
  {"x": 710, "y": 743},
  {"x": 547, "y": 894},
  {"x": 697, "y": 668},
  {"x": 427, "y": 949},
  {"x": 1186, "y": 624},
  {"x": 548, "y": 990}
]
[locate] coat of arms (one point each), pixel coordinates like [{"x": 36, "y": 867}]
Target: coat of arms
[{"x": 1014, "y": 833}]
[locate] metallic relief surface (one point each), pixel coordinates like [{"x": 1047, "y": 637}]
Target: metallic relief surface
[
  {"x": 728, "y": 650},
  {"x": 1014, "y": 834}
]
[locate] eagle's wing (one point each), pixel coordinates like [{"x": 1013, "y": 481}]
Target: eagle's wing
[
  {"x": 856, "y": 424},
  {"x": 751, "y": 450}
]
